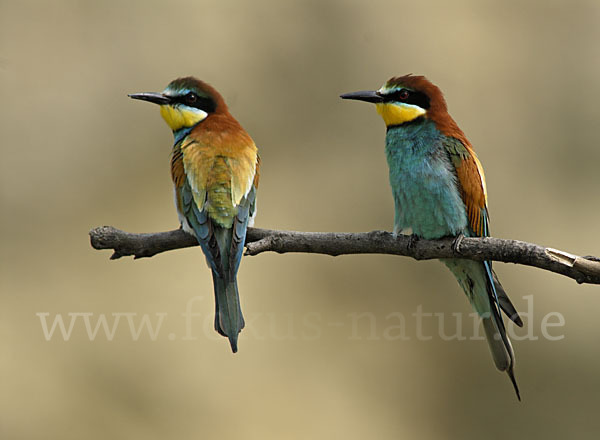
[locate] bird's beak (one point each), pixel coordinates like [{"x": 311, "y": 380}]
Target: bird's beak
[
  {"x": 366, "y": 95},
  {"x": 157, "y": 98}
]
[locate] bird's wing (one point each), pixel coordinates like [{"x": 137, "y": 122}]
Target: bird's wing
[
  {"x": 187, "y": 198},
  {"x": 471, "y": 183},
  {"x": 240, "y": 226},
  {"x": 243, "y": 188},
  {"x": 472, "y": 188}
]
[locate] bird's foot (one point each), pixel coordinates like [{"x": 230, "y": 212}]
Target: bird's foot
[
  {"x": 412, "y": 241},
  {"x": 456, "y": 243}
]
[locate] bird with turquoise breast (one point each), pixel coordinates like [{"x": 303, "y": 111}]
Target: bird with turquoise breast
[
  {"x": 215, "y": 172},
  {"x": 439, "y": 190}
]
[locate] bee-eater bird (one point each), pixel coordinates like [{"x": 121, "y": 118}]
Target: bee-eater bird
[
  {"x": 215, "y": 170},
  {"x": 439, "y": 190}
]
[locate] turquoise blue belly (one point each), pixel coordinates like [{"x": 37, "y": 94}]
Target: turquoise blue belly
[{"x": 424, "y": 184}]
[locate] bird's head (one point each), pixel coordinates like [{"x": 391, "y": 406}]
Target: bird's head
[
  {"x": 185, "y": 102},
  {"x": 404, "y": 99}
]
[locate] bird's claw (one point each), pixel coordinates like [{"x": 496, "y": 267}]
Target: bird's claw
[
  {"x": 412, "y": 241},
  {"x": 456, "y": 243}
]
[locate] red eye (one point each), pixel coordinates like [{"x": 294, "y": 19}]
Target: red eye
[{"x": 403, "y": 94}]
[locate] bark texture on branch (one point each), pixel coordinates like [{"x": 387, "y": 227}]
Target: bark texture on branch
[{"x": 581, "y": 269}]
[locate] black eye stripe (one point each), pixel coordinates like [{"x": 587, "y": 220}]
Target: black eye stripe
[
  {"x": 414, "y": 97},
  {"x": 200, "y": 102}
]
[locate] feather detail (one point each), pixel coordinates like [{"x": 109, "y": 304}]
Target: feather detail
[
  {"x": 471, "y": 183},
  {"x": 218, "y": 160},
  {"x": 177, "y": 169},
  {"x": 256, "y": 172},
  {"x": 472, "y": 188}
]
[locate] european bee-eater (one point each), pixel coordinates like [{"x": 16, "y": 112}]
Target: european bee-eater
[
  {"x": 215, "y": 170},
  {"x": 439, "y": 190}
]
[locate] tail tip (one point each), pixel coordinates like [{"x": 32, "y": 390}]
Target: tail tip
[
  {"x": 514, "y": 382},
  {"x": 233, "y": 343},
  {"x": 517, "y": 320}
]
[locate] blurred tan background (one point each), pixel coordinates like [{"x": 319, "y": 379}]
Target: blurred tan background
[{"x": 521, "y": 79}]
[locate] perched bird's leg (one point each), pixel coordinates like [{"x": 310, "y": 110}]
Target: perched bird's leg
[
  {"x": 456, "y": 243},
  {"x": 412, "y": 241}
]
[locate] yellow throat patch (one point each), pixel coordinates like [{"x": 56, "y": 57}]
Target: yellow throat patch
[
  {"x": 396, "y": 114},
  {"x": 181, "y": 116}
]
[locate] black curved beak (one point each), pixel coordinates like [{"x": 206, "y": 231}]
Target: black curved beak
[
  {"x": 365, "y": 95},
  {"x": 156, "y": 98}
]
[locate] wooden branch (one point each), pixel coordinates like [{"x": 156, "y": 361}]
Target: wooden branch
[{"x": 581, "y": 269}]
